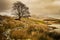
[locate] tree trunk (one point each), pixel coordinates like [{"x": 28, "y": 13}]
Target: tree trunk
[
  {"x": 19, "y": 17},
  {"x": 19, "y": 14}
]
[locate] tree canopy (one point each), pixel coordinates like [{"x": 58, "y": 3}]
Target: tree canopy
[{"x": 21, "y": 10}]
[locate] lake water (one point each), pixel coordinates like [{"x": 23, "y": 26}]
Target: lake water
[
  {"x": 55, "y": 30},
  {"x": 55, "y": 25}
]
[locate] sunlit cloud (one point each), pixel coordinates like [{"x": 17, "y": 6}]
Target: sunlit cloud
[
  {"x": 57, "y": 2},
  {"x": 42, "y": 7}
]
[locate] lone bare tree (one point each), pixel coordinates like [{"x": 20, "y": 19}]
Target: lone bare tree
[{"x": 21, "y": 10}]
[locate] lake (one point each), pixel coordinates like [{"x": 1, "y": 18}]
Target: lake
[{"x": 55, "y": 25}]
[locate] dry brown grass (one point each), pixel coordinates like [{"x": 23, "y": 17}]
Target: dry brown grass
[
  {"x": 31, "y": 32},
  {"x": 33, "y": 29}
]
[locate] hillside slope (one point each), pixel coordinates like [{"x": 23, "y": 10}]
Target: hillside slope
[{"x": 25, "y": 29}]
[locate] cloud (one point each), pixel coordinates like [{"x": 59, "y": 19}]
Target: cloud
[
  {"x": 56, "y": 2},
  {"x": 42, "y": 7}
]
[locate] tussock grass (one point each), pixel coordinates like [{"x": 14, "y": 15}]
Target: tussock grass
[{"x": 31, "y": 29}]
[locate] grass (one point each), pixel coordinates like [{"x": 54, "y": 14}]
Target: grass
[{"x": 31, "y": 29}]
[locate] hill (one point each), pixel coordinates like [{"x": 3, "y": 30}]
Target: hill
[{"x": 26, "y": 29}]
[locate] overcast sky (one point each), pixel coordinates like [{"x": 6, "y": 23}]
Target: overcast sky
[{"x": 49, "y": 8}]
